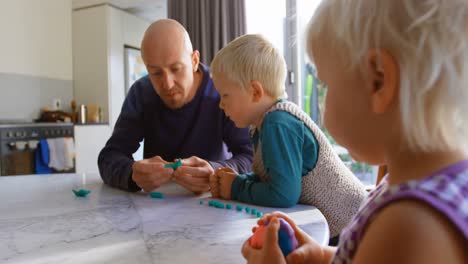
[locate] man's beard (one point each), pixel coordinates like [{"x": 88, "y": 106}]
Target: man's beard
[{"x": 174, "y": 102}]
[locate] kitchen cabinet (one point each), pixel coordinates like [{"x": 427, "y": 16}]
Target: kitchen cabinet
[
  {"x": 89, "y": 140},
  {"x": 99, "y": 35}
]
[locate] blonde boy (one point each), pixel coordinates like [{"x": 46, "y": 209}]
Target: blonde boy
[{"x": 293, "y": 161}]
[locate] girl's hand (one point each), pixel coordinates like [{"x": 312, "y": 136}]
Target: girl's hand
[
  {"x": 270, "y": 253},
  {"x": 308, "y": 251}
]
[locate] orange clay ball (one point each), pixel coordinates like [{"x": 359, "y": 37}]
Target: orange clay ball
[{"x": 256, "y": 241}]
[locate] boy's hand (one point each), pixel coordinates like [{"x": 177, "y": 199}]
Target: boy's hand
[
  {"x": 214, "y": 181},
  {"x": 214, "y": 184},
  {"x": 270, "y": 252},
  {"x": 309, "y": 251},
  {"x": 225, "y": 177}
]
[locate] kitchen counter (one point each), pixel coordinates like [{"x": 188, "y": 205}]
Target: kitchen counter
[
  {"x": 93, "y": 124},
  {"x": 42, "y": 221}
]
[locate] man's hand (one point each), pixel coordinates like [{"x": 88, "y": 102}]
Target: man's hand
[
  {"x": 150, "y": 174},
  {"x": 194, "y": 175}
]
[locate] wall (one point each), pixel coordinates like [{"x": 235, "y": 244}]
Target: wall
[
  {"x": 125, "y": 29},
  {"x": 36, "y": 56},
  {"x": 90, "y": 57}
]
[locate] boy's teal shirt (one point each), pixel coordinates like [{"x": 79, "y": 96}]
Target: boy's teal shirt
[{"x": 289, "y": 151}]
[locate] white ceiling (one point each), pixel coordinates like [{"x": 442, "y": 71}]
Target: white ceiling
[{"x": 146, "y": 9}]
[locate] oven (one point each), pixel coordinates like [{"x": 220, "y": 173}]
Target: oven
[{"x": 18, "y": 144}]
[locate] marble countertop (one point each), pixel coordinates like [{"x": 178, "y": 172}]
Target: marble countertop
[{"x": 41, "y": 221}]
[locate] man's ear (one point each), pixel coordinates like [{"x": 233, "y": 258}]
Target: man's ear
[
  {"x": 257, "y": 90},
  {"x": 383, "y": 79},
  {"x": 195, "y": 60}
]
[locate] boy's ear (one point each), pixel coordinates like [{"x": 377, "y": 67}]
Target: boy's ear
[
  {"x": 383, "y": 78},
  {"x": 257, "y": 90}
]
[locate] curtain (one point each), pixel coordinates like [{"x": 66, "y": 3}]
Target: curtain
[{"x": 211, "y": 24}]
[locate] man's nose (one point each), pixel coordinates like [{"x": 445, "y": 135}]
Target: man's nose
[{"x": 168, "y": 81}]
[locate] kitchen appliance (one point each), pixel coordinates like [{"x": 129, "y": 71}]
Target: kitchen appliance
[{"x": 18, "y": 143}]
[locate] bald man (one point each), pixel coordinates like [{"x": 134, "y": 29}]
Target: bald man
[{"x": 175, "y": 110}]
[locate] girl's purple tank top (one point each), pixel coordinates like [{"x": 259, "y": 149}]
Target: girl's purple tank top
[{"x": 446, "y": 191}]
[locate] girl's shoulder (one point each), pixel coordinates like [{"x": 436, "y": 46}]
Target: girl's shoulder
[
  {"x": 405, "y": 208},
  {"x": 411, "y": 231},
  {"x": 446, "y": 192}
]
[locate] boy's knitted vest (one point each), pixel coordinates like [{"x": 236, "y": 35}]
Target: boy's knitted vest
[{"x": 330, "y": 186}]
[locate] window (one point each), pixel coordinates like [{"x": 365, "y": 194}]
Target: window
[
  {"x": 284, "y": 25},
  {"x": 268, "y": 23}
]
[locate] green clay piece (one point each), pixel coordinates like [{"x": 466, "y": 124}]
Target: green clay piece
[
  {"x": 259, "y": 214},
  {"x": 220, "y": 206},
  {"x": 174, "y": 165},
  {"x": 239, "y": 208},
  {"x": 210, "y": 203},
  {"x": 247, "y": 209},
  {"x": 228, "y": 206},
  {"x": 254, "y": 211},
  {"x": 156, "y": 195},
  {"x": 81, "y": 192},
  {"x": 201, "y": 202}
]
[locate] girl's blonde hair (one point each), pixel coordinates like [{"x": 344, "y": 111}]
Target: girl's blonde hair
[
  {"x": 428, "y": 39},
  {"x": 249, "y": 58}
]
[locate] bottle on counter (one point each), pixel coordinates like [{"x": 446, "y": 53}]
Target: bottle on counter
[
  {"x": 74, "y": 115},
  {"x": 82, "y": 112}
]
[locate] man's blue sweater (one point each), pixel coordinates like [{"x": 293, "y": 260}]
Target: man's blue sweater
[{"x": 199, "y": 128}]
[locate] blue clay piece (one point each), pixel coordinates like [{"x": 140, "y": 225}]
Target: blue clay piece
[
  {"x": 177, "y": 164},
  {"x": 247, "y": 209},
  {"x": 201, "y": 202},
  {"x": 81, "y": 192},
  {"x": 174, "y": 165},
  {"x": 156, "y": 195},
  {"x": 239, "y": 208},
  {"x": 259, "y": 214},
  {"x": 254, "y": 211},
  {"x": 286, "y": 238},
  {"x": 228, "y": 206}
]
